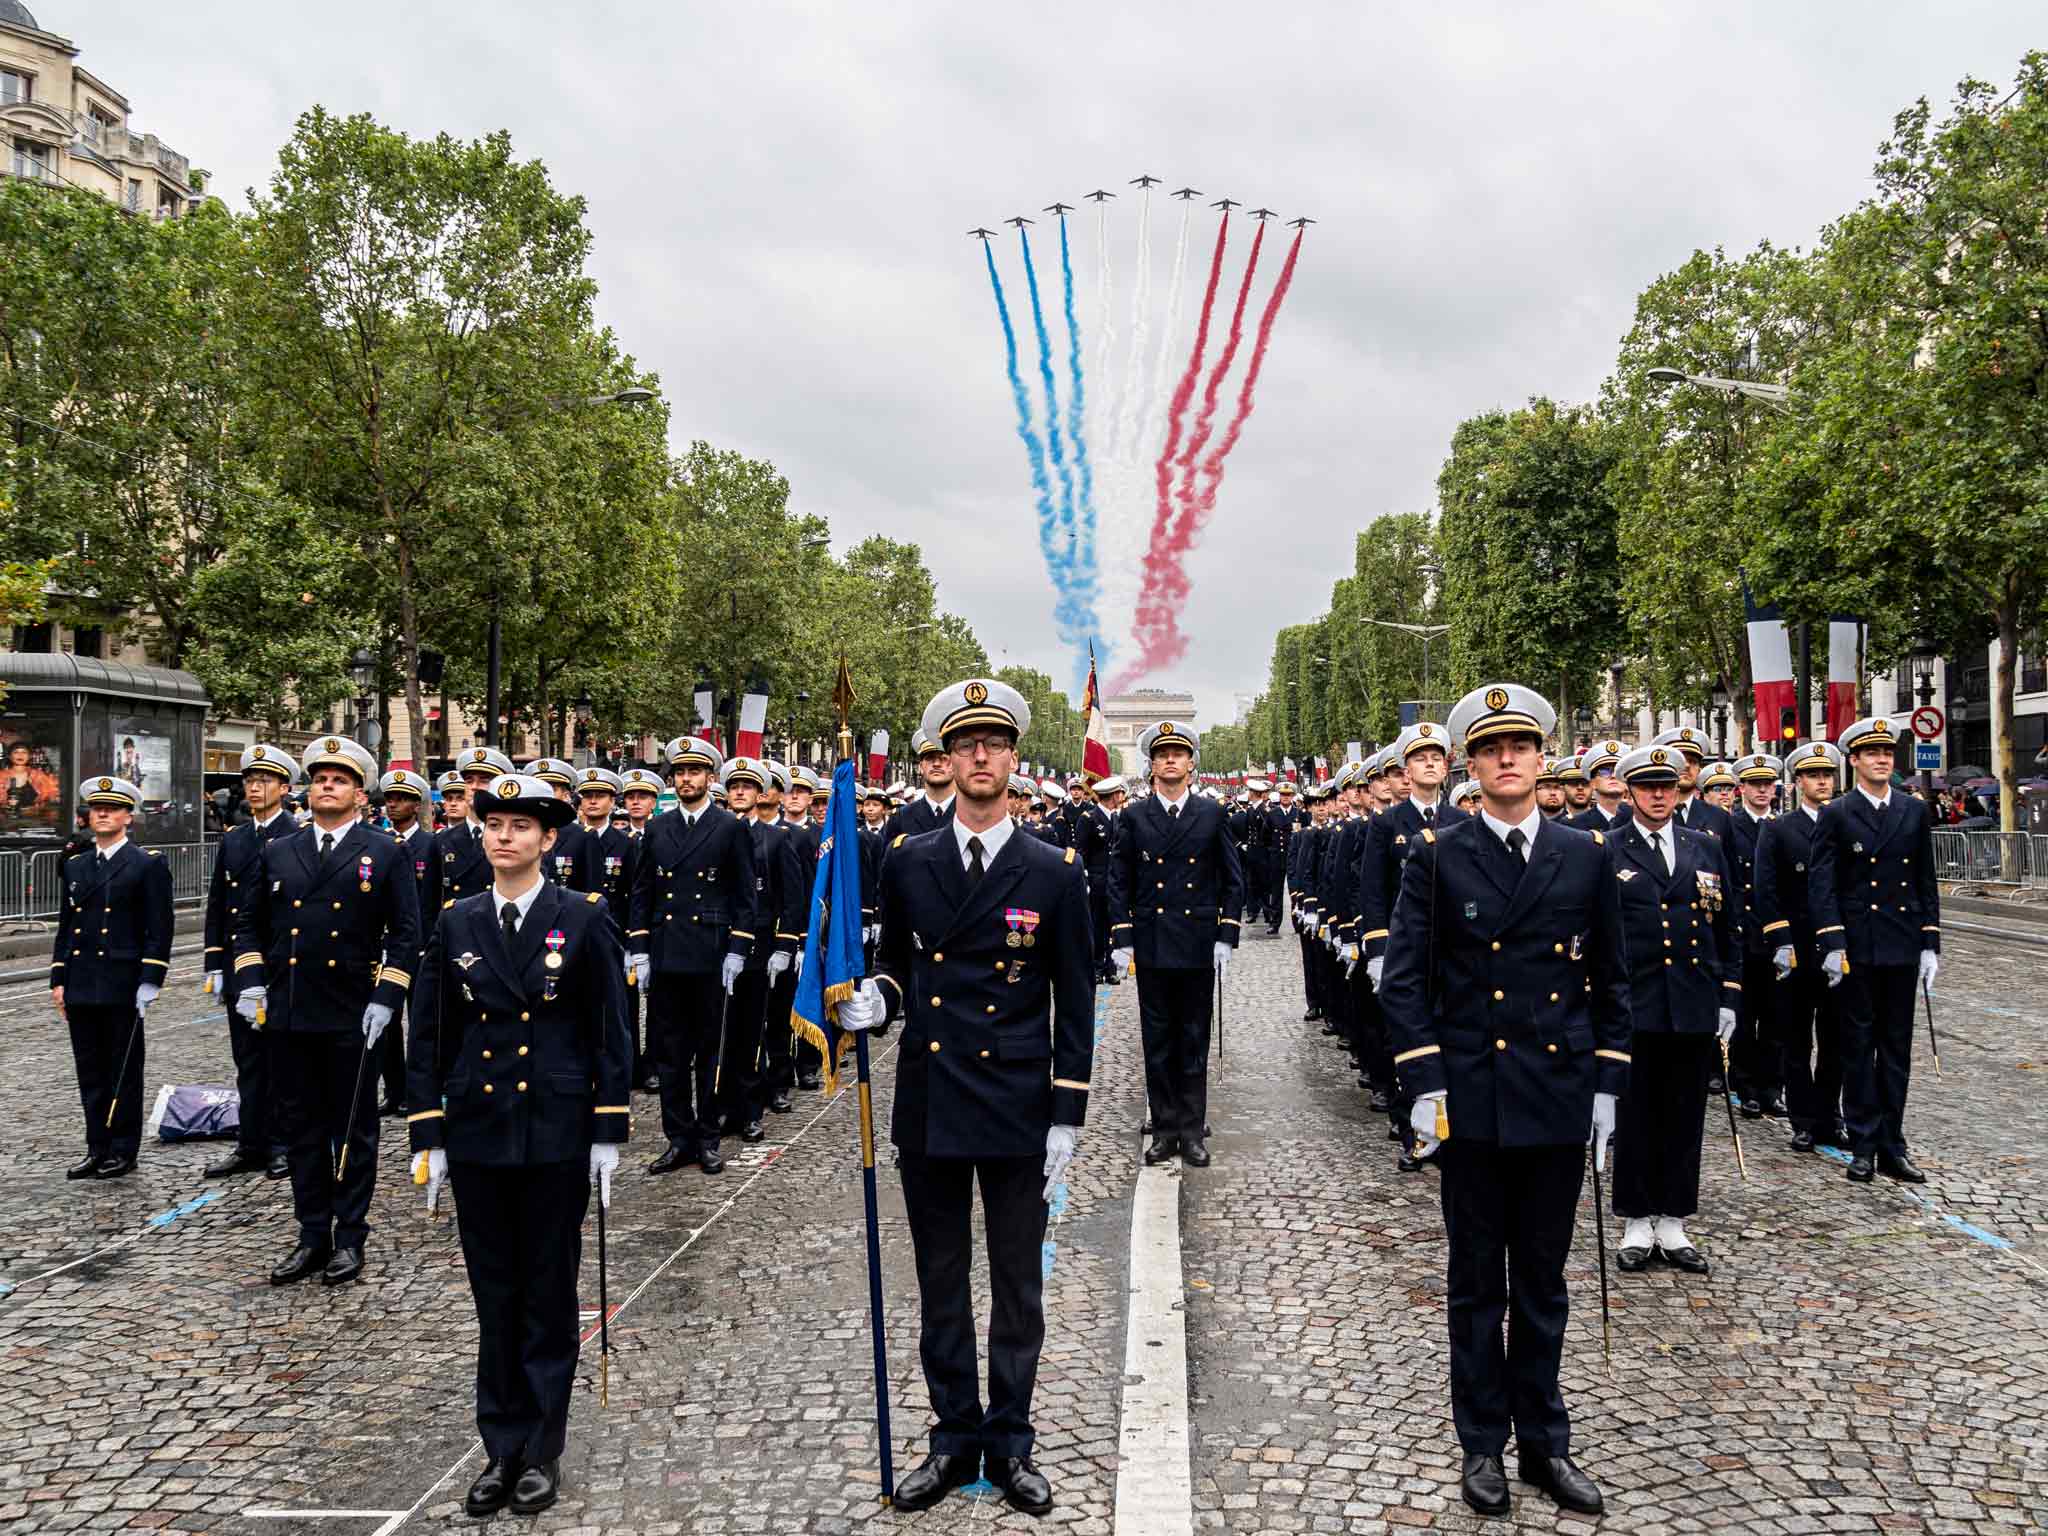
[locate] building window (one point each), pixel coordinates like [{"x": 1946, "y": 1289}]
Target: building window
[
  {"x": 16, "y": 87},
  {"x": 2033, "y": 676},
  {"x": 99, "y": 123},
  {"x": 133, "y": 203},
  {"x": 166, "y": 203},
  {"x": 90, "y": 643},
  {"x": 31, "y": 160},
  {"x": 34, "y": 639}
]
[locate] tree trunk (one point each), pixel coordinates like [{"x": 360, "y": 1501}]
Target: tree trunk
[{"x": 2004, "y": 760}]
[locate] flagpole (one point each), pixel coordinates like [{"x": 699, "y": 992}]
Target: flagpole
[{"x": 842, "y": 698}]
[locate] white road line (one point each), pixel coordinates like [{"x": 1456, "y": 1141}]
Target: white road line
[
  {"x": 388, "y": 1517},
  {"x": 848, "y": 1094},
  {"x": 1154, "y": 1485}
]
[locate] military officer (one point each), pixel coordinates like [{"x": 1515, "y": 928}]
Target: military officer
[
  {"x": 987, "y": 958},
  {"x": 1578, "y": 786},
  {"x": 112, "y": 953},
  {"x": 1550, "y": 791},
  {"x": 518, "y": 1086},
  {"x": 935, "y": 806},
  {"x": 1506, "y": 994},
  {"x": 1754, "y": 1058},
  {"x": 1718, "y": 784},
  {"x": 326, "y": 940},
  {"x": 639, "y": 793},
  {"x": 605, "y": 852},
  {"x": 405, "y": 795},
  {"x": 742, "y": 1090},
  {"x": 1880, "y": 941},
  {"x": 1305, "y": 856},
  {"x": 1282, "y": 822},
  {"x": 1394, "y": 835},
  {"x": 1608, "y": 810},
  {"x": 695, "y": 915},
  {"x": 1090, "y": 831},
  {"x": 464, "y": 869},
  {"x": 1175, "y": 890},
  {"x": 1808, "y": 1024},
  {"x": 1695, "y": 812},
  {"x": 267, "y": 773},
  {"x": 1681, "y": 913},
  {"x": 793, "y": 1057},
  {"x": 564, "y": 863},
  {"x": 452, "y": 807}
]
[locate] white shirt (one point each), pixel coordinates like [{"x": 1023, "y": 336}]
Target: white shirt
[
  {"x": 1501, "y": 829},
  {"x": 1882, "y": 805},
  {"x": 941, "y": 806},
  {"x": 521, "y": 904},
  {"x": 337, "y": 832},
  {"x": 114, "y": 847},
  {"x": 991, "y": 841},
  {"x": 1172, "y": 806},
  {"x": 1664, "y": 840},
  {"x": 689, "y": 816},
  {"x": 264, "y": 823},
  {"x": 1809, "y": 810},
  {"x": 1433, "y": 807}
]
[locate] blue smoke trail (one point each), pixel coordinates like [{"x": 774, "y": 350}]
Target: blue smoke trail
[
  {"x": 1077, "y": 409},
  {"x": 1073, "y": 613},
  {"x": 1081, "y": 574}
]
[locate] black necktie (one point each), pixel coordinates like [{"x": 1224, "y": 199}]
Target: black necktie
[
  {"x": 1173, "y": 811},
  {"x": 509, "y": 917},
  {"x": 1429, "y": 816},
  {"x": 974, "y": 867},
  {"x": 326, "y": 847},
  {"x": 1517, "y": 839},
  {"x": 1657, "y": 847}
]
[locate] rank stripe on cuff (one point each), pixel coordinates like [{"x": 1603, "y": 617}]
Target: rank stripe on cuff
[
  {"x": 741, "y": 933},
  {"x": 1783, "y": 922},
  {"x": 146, "y": 960},
  {"x": 1377, "y": 933},
  {"x": 1114, "y": 926},
  {"x": 213, "y": 949},
  {"x": 796, "y": 937},
  {"x": 425, "y": 1114},
  {"x": 243, "y": 962},
  {"x": 1233, "y": 921},
  {"x": 1068, "y": 1082},
  {"x": 631, "y": 933},
  {"x": 1620, "y": 1056},
  {"x": 402, "y": 979},
  {"x": 613, "y": 1109},
  {"x": 1931, "y": 928},
  {"x": 1420, "y": 1050},
  {"x": 1831, "y": 928},
  {"x": 1735, "y": 984}
]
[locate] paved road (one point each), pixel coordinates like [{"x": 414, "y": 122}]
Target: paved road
[{"x": 1861, "y": 1358}]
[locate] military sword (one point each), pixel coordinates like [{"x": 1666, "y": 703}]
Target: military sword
[
  {"x": 1933, "y": 1039},
  {"x": 136, "y": 1029},
  {"x": 1728, "y": 1103},
  {"x": 1600, "y": 1237},
  {"x": 349, "y": 1131},
  {"x": 604, "y": 1314}
]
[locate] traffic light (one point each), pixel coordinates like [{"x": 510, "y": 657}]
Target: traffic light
[{"x": 1788, "y": 723}]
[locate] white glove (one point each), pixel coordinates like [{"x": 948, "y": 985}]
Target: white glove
[
  {"x": 1373, "y": 970},
  {"x": 1350, "y": 954},
  {"x": 604, "y": 1157},
  {"x": 211, "y": 986},
  {"x": 729, "y": 971},
  {"x": 1726, "y": 1029},
  {"x": 799, "y": 965},
  {"x": 437, "y": 1174},
  {"x": 865, "y": 1010},
  {"x": 777, "y": 964},
  {"x": 636, "y": 965},
  {"x": 147, "y": 993},
  {"x": 1222, "y": 959},
  {"x": 248, "y": 1002},
  {"x": 1060, "y": 1144},
  {"x": 1603, "y": 1128},
  {"x": 871, "y": 933},
  {"x": 1835, "y": 964},
  {"x": 375, "y": 1017},
  {"x": 1930, "y": 967},
  {"x": 1422, "y": 1121},
  {"x": 1121, "y": 959},
  {"x": 1782, "y": 961}
]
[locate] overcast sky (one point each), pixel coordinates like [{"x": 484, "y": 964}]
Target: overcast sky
[{"x": 778, "y": 196}]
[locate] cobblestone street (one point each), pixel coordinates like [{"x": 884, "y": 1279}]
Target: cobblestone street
[{"x": 1862, "y": 1358}]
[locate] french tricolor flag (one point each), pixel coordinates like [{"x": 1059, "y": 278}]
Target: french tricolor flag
[
  {"x": 1845, "y": 656},
  {"x": 1770, "y": 666},
  {"x": 878, "y": 756},
  {"x": 753, "y": 724}
]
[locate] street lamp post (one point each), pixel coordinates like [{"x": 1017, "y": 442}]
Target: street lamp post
[
  {"x": 1720, "y": 721},
  {"x": 1924, "y": 658},
  {"x": 1427, "y": 632},
  {"x": 362, "y": 668}
]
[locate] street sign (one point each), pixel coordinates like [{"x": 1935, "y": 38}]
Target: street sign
[
  {"x": 1927, "y": 757},
  {"x": 1927, "y": 722}
]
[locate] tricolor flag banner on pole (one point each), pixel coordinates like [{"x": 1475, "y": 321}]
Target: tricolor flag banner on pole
[
  {"x": 1845, "y": 647},
  {"x": 878, "y": 757},
  {"x": 753, "y": 725},
  {"x": 1770, "y": 668},
  {"x": 706, "y": 701},
  {"x": 1095, "y": 744},
  {"x": 1354, "y": 751},
  {"x": 833, "y": 963}
]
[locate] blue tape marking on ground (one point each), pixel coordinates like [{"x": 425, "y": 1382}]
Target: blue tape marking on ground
[
  {"x": 1059, "y": 1202},
  {"x": 6, "y": 1288},
  {"x": 1989, "y": 1239},
  {"x": 1834, "y": 1152},
  {"x": 981, "y": 1488},
  {"x": 1977, "y": 1232},
  {"x": 165, "y": 1218}
]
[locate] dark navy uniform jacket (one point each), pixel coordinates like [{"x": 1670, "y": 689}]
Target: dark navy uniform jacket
[
  {"x": 1048, "y": 829},
  {"x": 234, "y": 865},
  {"x": 1699, "y": 814},
  {"x": 799, "y": 855},
  {"x": 512, "y": 1060},
  {"x": 694, "y": 900},
  {"x": 113, "y": 927},
  {"x": 999, "y": 1037},
  {"x": 774, "y": 866},
  {"x": 1302, "y": 856},
  {"x": 914, "y": 817},
  {"x": 464, "y": 868},
  {"x": 1505, "y": 982},
  {"x": 605, "y": 865},
  {"x": 1783, "y": 914},
  {"x": 424, "y": 855},
  {"x": 1395, "y": 833},
  {"x": 1871, "y": 880},
  {"x": 1090, "y": 834},
  {"x": 1345, "y": 900},
  {"x": 1276, "y": 828},
  {"x": 1682, "y": 932},
  {"x": 1745, "y": 835},
  {"x": 328, "y": 941},
  {"x": 567, "y": 864},
  {"x": 1175, "y": 884},
  {"x": 1593, "y": 819}
]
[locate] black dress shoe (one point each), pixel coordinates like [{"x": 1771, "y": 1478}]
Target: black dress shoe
[
  {"x": 671, "y": 1159},
  {"x": 935, "y": 1477},
  {"x": 1024, "y": 1486},
  {"x": 752, "y": 1132},
  {"x": 85, "y": 1169},
  {"x": 304, "y": 1260},
  {"x": 808, "y": 1081},
  {"x": 1839, "y": 1137},
  {"x": 492, "y": 1489},
  {"x": 536, "y": 1488},
  {"x": 1162, "y": 1148},
  {"x": 1861, "y": 1170},
  {"x": 1775, "y": 1106},
  {"x": 1802, "y": 1141},
  {"x": 1716, "y": 1085},
  {"x": 346, "y": 1265},
  {"x": 1310, "y": 1017},
  {"x": 1688, "y": 1258},
  {"x": 1394, "y": 1134},
  {"x": 780, "y": 1104},
  {"x": 1632, "y": 1261},
  {"x": 651, "y": 1083},
  {"x": 1556, "y": 1476},
  {"x": 279, "y": 1167},
  {"x": 711, "y": 1161},
  {"x": 1752, "y": 1109},
  {"x": 1378, "y": 1102},
  {"x": 1193, "y": 1152},
  {"x": 1484, "y": 1483},
  {"x": 1892, "y": 1165},
  {"x": 119, "y": 1167},
  {"x": 1408, "y": 1162},
  {"x": 237, "y": 1161}
]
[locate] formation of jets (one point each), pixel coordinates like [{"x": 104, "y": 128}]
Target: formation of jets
[{"x": 1148, "y": 181}]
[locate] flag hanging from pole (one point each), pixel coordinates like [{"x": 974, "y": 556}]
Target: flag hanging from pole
[
  {"x": 833, "y": 962},
  {"x": 1095, "y": 745}
]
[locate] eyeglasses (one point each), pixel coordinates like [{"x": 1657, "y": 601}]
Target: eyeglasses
[{"x": 974, "y": 746}]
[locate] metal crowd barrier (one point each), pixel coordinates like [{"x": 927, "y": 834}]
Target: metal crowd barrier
[
  {"x": 31, "y": 882},
  {"x": 13, "y": 885},
  {"x": 1992, "y": 858}
]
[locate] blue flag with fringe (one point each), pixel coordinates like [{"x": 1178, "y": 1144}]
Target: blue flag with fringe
[{"x": 833, "y": 961}]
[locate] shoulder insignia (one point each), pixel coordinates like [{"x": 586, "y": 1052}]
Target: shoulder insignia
[
  {"x": 591, "y": 898},
  {"x": 1599, "y": 837},
  {"x": 154, "y": 853},
  {"x": 899, "y": 839},
  {"x": 1428, "y": 835},
  {"x": 1070, "y": 855},
  {"x": 448, "y": 903}
]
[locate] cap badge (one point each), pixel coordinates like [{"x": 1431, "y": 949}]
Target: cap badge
[
  {"x": 1166, "y": 728},
  {"x": 976, "y": 693},
  {"x": 1685, "y": 733},
  {"x": 509, "y": 790},
  {"x": 106, "y": 783},
  {"x": 1424, "y": 730},
  {"x": 333, "y": 745},
  {"x": 1496, "y": 698},
  {"x": 1660, "y": 757},
  {"x": 479, "y": 756}
]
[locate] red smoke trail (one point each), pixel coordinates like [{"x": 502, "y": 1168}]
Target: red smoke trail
[
  {"x": 1207, "y": 419},
  {"x": 1156, "y": 628},
  {"x": 1162, "y": 518}
]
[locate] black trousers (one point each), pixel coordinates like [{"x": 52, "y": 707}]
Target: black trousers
[
  {"x": 1508, "y": 1213},
  {"x": 778, "y": 1041},
  {"x": 1098, "y": 922},
  {"x": 1311, "y": 981},
  {"x": 1275, "y": 883},
  {"x": 1755, "y": 1057},
  {"x": 1368, "y": 1028},
  {"x": 1876, "y": 1004},
  {"x": 938, "y": 1194},
  {"x": 643, "y": 1058},
  {"x": 685, "y": 1012},
  {"x": 740, "y": 1093},
  {"x": 390, "y": 1053},
  {"x": 1659, "y": 1124},
  {"x": 1173, "y": 1019},
  {"x": 1810, "y": 1037},
  {"x": 522, "y": 1240},
  {"x": 259, "y": 1132},
  {"x": 99, "y": 1038},
  {"x": 316, "y": 1076}
]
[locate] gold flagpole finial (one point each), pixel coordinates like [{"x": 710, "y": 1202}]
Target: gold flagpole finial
[{"x": 843, "y": 701}]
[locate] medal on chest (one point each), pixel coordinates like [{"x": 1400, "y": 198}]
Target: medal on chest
[
  {"x": 364, "y": 869},
  {"x": 554, "y": 941}
]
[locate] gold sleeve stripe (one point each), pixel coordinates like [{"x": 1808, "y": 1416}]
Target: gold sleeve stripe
[
  {"x": 1621, "y": 1056},
  {"x": 1114, "y": 926},
  {"x": 243, "y": 962},
  {"x": 1420, "y": 1050},
  {"x": 1932, "y": 928},
  {"x": 741, "y": 933},
  {"x": 213, "y": 949},
  {"x": 146, "y": 960},
  {"x": 1068, "y": 1082},
  {"x": 425, "y": 1114},
  {"x": 1783, "y": 922},
  {"x": 1233, "y": 921},
  {"x": 1377, "y": 933},
  {"x": 1831, "y": 928},
  {"x": 613, "y": 1109},
  {"x": 1735, "y": 984},
  {"x": 401, "y": 979},
  {"x": 631, "y": 933},
  {"x": 893, "y": 982},
  {"x": 781, "y": 935}
]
